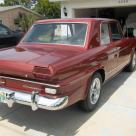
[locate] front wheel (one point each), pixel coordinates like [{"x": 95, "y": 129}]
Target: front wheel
[{"x": 94, "y": 93}]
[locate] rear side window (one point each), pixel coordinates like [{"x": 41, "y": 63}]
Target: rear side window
[
  {"x": 105, "y": 36},
  {"x": 115, "y": 32}
]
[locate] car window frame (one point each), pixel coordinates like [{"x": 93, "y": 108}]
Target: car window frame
[
  {"x": 119, "y": 30},
  {"x": 104, "y": 22},
  {"x": 71, "y": 45}
]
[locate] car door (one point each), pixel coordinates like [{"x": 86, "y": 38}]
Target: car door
[
  {"x": 110, "y": 51},
  {"x": 6, "y": 37},
  {"x": 122, "y": 44}
]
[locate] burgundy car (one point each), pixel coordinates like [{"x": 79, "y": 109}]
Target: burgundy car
[{"x": 64, "y": 61}]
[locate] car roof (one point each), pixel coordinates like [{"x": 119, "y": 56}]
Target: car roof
[{"x": 84, "y": 20}]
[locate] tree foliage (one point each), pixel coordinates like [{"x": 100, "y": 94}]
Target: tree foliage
[
  {"x": 24, "y": 21},
  {"x": 48, "y": 9},
  {"x": 25, "y": 3},
  {"x": 43, "y": 7},
  {"x": 1, "y": 4}
]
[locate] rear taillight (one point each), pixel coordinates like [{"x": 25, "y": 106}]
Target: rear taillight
[{"x": 41, "y": 72}]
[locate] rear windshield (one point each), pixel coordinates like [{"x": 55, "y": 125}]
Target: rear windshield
[{"x": 58, "y": 33}]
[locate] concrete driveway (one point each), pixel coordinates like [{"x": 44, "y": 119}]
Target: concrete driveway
[{"x": 115, "y": 116}]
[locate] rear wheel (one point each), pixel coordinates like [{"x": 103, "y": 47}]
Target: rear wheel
[
  {"x": 132, "y": 65},
  {"x": 94, "y": 93}
]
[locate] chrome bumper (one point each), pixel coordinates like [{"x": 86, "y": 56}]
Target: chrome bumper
[{"x": 34, "y": 100}]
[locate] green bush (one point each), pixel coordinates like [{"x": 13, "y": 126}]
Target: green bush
[{"x": 24, "y": 21}]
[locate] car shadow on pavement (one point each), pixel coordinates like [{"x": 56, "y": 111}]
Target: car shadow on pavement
[{"x": 65, "y": 122}]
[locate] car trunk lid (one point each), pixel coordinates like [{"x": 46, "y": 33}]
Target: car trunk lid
[{"x": 20, "y": 61}]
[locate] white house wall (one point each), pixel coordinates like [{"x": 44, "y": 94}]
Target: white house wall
[{"x": 70, "y": 5}]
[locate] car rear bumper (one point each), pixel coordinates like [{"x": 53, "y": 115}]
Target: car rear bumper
[{"x": 34, "y": 100}]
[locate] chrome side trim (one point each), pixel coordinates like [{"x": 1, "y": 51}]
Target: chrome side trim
[
  {"x": 28, "y": 81},
  {"x": 34, "y": 100}
]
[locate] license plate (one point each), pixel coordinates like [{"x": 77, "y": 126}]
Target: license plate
[{"x": 3, "y": 97}]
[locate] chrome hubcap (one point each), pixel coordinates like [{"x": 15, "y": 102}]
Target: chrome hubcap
[
  {"x": 134, "y": 60},
  {"x": 95, "y": 91}
]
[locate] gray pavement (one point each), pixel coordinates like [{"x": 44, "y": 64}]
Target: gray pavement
[{"x": 115, "y": 116}]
